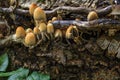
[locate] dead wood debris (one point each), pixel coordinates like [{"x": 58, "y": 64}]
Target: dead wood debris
[
  {"x": 90, "y": 25},
  {"x": 101, "y": 12},
  {"x": 81, "y": 25}
]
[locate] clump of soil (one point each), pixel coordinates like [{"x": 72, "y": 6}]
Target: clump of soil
[{"x": 64, "y": 62}]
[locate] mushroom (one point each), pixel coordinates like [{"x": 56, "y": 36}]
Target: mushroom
[
  {"x": 36, "y": 31},
  {"x": 71, "y": 34},
  {"x": 58, "y": 35},
  {"x": 32, "y": 7},
  {"x": 43, "y": 31},
  {"x": 30, "y": 40},
  {"x": 28, "y": 30},
  {"x": 20, "y": 34},
  {"x": 49, "y": 21},
  {"x": 50, "y": 30},
  {"x": 39, "y": 16},
  {"x": 54, "y": 19},
  {"x": 92, "y": 16}
]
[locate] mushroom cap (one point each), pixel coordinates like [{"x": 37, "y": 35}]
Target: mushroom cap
[
  {"x": 20, "y": 32},
  {"x": 50, "y": 28},
  {"x": 30, "y": 39},
  {"x": 58, "y": 33},
  {"x": 116, "y": 10},
  {"x": 28, "y": 30},
  {"x": 92, "y": 16},
  {"x": 68, "y": 33},
  {"x": 39, "y": 14},
  {"x": 71, "y": 32},
  {"x": 32, "y": 7},
  {"x": 50, "y": 21},
  {"x": 36, "y": 30},
  {"x": 42, "y": 27},
  {"x": 54, "y": 19}
]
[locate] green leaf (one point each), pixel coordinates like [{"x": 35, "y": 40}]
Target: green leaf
[
  {"x": 33, "y": 76},
  {"x": 44, "y": 77},
  {"x": 4, "y": 74},
  {"x": 3, "y": 62},
  {"x": 19, "y": 75},
  {"x": 38, "y": 76}
]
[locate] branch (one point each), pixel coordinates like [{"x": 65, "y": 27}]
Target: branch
[
  {"x": 101, "y": 12},
  {"x": 104, "y": 11},
  {"x": 89, "y": 25}
]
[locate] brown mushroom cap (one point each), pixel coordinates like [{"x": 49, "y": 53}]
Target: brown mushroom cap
[
  {"x": 58, "y": 33},
  {"x": 71, "y": 32},
  {"x": 30, "y": 39},
  {"x": 68, "y": 33},
  {"x": 50, "y": 21},
  {"x": 36, "y": 30},
  {"x": 28, "y": 30},
  {"x": 50, "y": 28},
  {"x": 42, "y": 27},
  {"x": 54, "y": 19},
  {"x": 39, "y": 14},
  {"x": 32, "y": 7},
  {"x": 92, "y": 16},
  {"x": 20, "y": 32}
]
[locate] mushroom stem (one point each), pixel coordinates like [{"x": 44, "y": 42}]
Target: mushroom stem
[
  {"x": 46, "y": 35},
  {"x": 51, "y": 36},
  {"x": 43, "y": 36}
]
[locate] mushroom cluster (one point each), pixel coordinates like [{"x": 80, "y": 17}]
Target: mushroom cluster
[{"x": 44, "y": 31}]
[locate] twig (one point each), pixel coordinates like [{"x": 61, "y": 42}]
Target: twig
[
  {"x": 104, "y": 11},
  {"x": 7, "y": 27},
  {"x": 88, "y": 25},
  {"x": 101, "y": 12}
]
